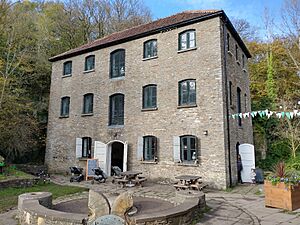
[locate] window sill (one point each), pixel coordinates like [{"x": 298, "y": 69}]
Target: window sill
[
  {"x": 149, "y": 109},
  {"x": 238, "y": 62},
  {"x": 186, "y": 106},
  {"x": 87, "y": 114},
  {"x": 187, "y": 164},
  {"x": 89, "y": 71},
  {"x": 245, "y": 70},
  {"x": 149, "y": 162},
  {"x": 83, "y": 158},
  {"x": 149, "y": 58},
  {"x": 230, "y": 53},
  {"x": 62, "y": 117},
  {"x": 118, "y": 78},
  {"x": 115, "y": 126},
  {"x": 67, "y": 75},
  {"x": 187, "y": 50}
]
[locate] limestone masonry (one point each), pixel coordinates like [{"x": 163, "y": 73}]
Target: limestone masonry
[{"x": 196, "y": 67}]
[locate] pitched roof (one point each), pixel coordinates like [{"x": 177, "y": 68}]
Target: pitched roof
[{"x": 180, "y": 19}]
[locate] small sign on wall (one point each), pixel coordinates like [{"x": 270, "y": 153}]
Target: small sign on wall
[{"x": 90, "y": 164}]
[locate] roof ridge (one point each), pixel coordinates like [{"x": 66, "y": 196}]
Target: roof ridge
[{"x": 181, "y": 17}]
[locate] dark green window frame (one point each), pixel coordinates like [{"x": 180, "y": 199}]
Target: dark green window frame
[
  {"x": 67, "y": 68},
  {"x": 86, "y": 147},
  {"x": 188, "y": 148},
  {"x": 89, "y": 63},
  {"x": 187, "y": 40},
  {"x": 65, "y": 106},
  {"x": 187, "y": 92},
  {"x": 150, "y": 48},
  {"x": 149, "y": 148},
  {"x": 150, "y": 96},
  {"x": 116, "y": 109},
  {"x": 88, "y": 101},
  {"x": 117, "y": 63}
]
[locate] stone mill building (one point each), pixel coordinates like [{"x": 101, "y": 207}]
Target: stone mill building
[{"x": 155, "y": 98}]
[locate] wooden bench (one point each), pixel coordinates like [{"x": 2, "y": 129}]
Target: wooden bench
[
  {"x": 181, "y": 187},
  {"x": 121, "y": 181},
  {"x": 139, "y": 181},
  {"x": 198, "y": 186}
]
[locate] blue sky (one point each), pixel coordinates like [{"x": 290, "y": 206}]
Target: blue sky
[{"x": 251, "y": 10}]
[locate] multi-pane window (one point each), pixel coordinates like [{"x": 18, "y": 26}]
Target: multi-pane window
[
  {"x": 239, "y": 106},
  {"x": 149, "y": 97},
  {"x": 187, "y": 40},
  {"x": 89, "y": 63},
  {"x": 67, "y": 68},
  {"x": 188, "y": 148},
  {"x": 117, "y": 63},
  {"x": 86, "y": 147},
  {"x": 245, "y": 97},
  {"x": 88, "y": 103},
  {"x": 243, "y": 60},
  {"x": 149, "y": 147},
  {"x": 65, "y": 106},
  {"x": 150, "y": 49},
  {"x": 116, "y": 109},
  {"x": 187, "y": 92},
  {"x": 228, "y": 42}
]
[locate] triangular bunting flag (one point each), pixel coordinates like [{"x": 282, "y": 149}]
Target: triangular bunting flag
[
  {"x": 253, "y": 114},
  {"x": 260, "y": 113},
  {"x": 288, "y": 115},
  {"x": 292, "y": 115},
  {"x": 278, "y": 115},
  {"x": 282, "y": 114},
  {"x": 241, "y": 115}
]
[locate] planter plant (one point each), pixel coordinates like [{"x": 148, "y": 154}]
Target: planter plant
[{"x": 282, "y": 189}]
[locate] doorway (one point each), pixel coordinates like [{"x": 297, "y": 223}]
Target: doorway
[{"x": 117, "y": 154}]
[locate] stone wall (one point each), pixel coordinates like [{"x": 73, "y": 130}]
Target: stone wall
[
  {"x": 17, "y": 183},
  {"x": 204, "y": 63},
  {"x": 34, "y": 208}
]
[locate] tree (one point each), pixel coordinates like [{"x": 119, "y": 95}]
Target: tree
[{"x": 247, "y": 32}]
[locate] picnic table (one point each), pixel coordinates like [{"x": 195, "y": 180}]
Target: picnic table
[
  {"x": 189, "y": 182},
  {"x": 130, "y": 179}
]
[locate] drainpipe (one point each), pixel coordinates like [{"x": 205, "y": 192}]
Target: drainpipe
[{"x": 226, "y": 96}]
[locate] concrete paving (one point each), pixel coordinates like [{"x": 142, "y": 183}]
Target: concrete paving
[{"x": 241, "y": 205}]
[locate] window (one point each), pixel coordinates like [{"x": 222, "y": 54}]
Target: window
[
  {"x": 236, "y": 52},
  {"x": 65, "y": 105},
  {"x": 245, "y": 102},
  {"x": 86, "y": 147},
  {"x": 188, "y": 148},
  {"x": 149, "y": 147},
  {"x": 187, "y": 92},
  {"x": 117, "y": 63},
  {"x": 228, "y": 42},
  {"x": 239, "y": 106},
  {"x": 149, "y": 97},
  {"x": 187, "y": 40},
  {"x": 243, "y": 60},
  {"x": 230, "y": 92},
  {"x": 116, "y": 109},
  {"x": 67, "y": 68},
  {"x": 150, "y": 49},
  {"x": 88, "y": 103},
  {"x": 89, "y": 63}
]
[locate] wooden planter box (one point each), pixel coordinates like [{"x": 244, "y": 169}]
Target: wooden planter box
[{"x": 282, "y": 196}]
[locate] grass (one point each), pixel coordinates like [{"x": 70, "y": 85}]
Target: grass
[
  {"x": 9, "y": 196},
  {"x": 10, "y": 173}
]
